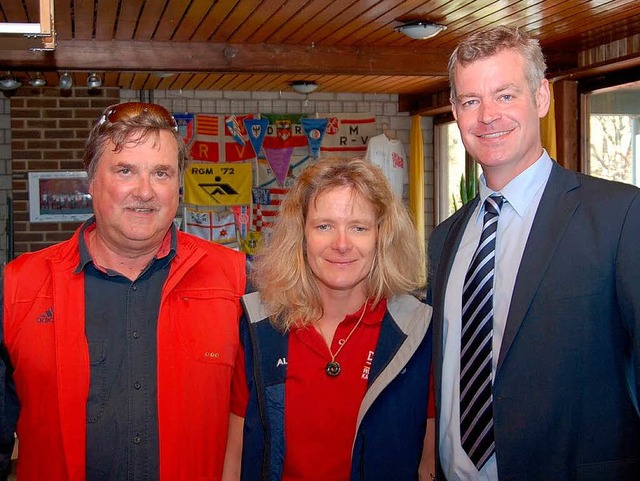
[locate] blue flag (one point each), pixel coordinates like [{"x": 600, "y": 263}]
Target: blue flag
[
  {"x": 314, "y": 129},
  {"x": 256, "y": 130}
]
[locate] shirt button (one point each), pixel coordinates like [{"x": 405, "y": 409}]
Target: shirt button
[
  {"x": 136, "y": 334},
  {"x": 137, "y": 385},
  {"x": 134, "y": 288},
  {"x": 136, "y": 439}
]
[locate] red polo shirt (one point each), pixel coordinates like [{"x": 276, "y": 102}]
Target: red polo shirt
[{"x": 321, "y": 411}]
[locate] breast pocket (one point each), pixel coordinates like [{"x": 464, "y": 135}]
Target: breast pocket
[
  {"x": 98, "y": 386},
  {"x": 207, "y": 325}
]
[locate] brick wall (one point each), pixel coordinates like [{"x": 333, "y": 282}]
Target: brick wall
[
  {"x": 47, "y": 134},
  {"x": 5, "y": 172}
]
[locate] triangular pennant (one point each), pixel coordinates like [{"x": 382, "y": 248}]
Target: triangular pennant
[
  {"x": 284, "y": 131},
  {"x": 314, "y": 129},
  {"x": 279, "y": 160},
  {"x": 256, "y": 130}
]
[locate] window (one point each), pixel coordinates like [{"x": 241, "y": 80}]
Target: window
[
  {"x": 451, "y": 163},
  {"x": 614, "y": 133}
]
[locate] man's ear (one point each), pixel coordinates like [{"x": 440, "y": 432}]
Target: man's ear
[{"x": 543, "y": 98}]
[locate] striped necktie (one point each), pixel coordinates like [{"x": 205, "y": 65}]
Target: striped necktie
[{"x": 476, "y": 416}]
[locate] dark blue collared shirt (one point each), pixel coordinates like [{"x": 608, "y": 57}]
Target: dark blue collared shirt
[{"x": 122, "y": 411}]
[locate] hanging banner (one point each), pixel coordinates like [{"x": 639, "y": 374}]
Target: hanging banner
[
  {"x": 186, "y": 126},
  {"x": 236, "y": 141},
  {"x": 218, "y": 184},
  {"x": 265, "y": 177},
  {"x": 284, "y": 130},
  {"x": 256, "y": 131},
  {"x": 205, "y": 151},
  {"x": 234, "y": 129},
  {"x": 213, "y": 226},
  {"x": 279, "y": 160},
  {"x": 266, "y": 204},
  {"x": 242, "y": 219},
  {"x": 314, "y": 129},
  {"x": 207, "y": 142},
  {"x": 347, "y": 134}
]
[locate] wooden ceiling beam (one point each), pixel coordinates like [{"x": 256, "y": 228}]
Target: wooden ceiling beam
[{"x": 89, "y": 55}]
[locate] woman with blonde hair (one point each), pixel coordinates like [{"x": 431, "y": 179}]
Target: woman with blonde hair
[{"x": 336, "y": 349}]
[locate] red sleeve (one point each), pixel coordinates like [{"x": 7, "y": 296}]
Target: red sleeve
[
  {"x": 239, "y": 388},
  {"x": 431, "y": 408}
]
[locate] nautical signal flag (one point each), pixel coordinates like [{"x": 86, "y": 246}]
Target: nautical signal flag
[{"x": 218, "y": 184}]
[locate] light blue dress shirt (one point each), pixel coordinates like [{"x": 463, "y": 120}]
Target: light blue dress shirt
[{"x": 522, "y": 197}]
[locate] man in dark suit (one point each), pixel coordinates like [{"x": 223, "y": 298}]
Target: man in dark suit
[{"x": 537, "y": 346}]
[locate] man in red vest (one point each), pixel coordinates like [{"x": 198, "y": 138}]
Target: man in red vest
[{"x": 118, "y": 346}]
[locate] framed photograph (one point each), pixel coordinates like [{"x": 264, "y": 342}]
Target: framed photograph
[{"x": 59, "y": 197}]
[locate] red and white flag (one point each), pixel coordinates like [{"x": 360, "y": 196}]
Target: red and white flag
[
  {"x": 347, "y": 135},
  {"x": 216, "y": 226},
  {"x": 266, "y": 205}
]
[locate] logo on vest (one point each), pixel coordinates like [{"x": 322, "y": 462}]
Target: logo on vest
[
  {"x": 281, "y": 362},
  {"x": 46, "y": 316}
]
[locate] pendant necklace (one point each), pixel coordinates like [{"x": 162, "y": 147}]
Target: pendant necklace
[{"x": 333, "y": 367}]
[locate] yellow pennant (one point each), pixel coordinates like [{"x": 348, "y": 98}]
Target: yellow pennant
[{"x": 218, "y": 184}]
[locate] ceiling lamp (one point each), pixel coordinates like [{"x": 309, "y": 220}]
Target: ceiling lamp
[
  {"x": 66, "y": 81},
  {"x": 38, "y": 80},
  {"x": 9, "y": 82},
  {"x": 304, "y": 87},
  {"x": 420, "y": 29},
  {"x": 94, "y": 81}
]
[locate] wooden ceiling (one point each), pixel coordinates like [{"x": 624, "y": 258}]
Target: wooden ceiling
[{"x": 263, "y": 45}]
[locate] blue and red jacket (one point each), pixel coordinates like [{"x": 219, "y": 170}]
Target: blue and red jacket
[{"x": 393, "y": 415}]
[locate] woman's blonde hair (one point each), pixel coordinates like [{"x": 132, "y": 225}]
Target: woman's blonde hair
[{"x": 281, "y": 271}]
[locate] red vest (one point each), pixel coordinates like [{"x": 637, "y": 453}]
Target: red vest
[{"x": 197, "y": 342}]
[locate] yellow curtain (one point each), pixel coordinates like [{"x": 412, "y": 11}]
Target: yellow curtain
[
  {"x": 416, "y": 178},
  {"x": 548, "y": 127}
]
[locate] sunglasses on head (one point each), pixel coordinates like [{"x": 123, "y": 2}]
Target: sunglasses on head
[{"x": 130, "y": 110}]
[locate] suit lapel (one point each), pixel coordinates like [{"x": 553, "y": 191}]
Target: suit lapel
[{"x": 555, "y": 210}]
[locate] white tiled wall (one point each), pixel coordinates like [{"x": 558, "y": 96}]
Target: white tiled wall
[{"x": 383, "y": 106}]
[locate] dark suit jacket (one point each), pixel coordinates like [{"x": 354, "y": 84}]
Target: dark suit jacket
[{"x": 567, "y": 381}]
